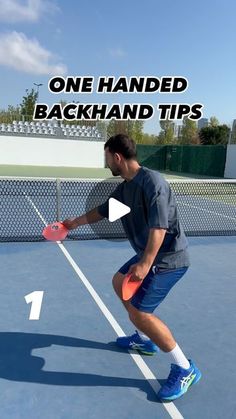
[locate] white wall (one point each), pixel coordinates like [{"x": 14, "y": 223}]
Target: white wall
[
  {"x": 230, "y": 165},
  {"x": 51, "y": 152}
]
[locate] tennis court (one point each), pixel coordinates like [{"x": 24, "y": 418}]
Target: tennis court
[
  {"x": 67, "y": 172},
  {"x": 66, "y": 364}
]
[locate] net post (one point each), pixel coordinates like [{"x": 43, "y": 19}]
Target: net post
[{"x": 58, "y": 199}]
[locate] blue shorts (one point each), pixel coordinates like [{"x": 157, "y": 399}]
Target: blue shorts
[{"x": 155, "y": 286}]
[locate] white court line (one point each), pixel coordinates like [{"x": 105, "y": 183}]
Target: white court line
[
  {"x": 36, "y": 209},
  {"x": 141, "y": 364},
  {"x": 205, "y": 210}
]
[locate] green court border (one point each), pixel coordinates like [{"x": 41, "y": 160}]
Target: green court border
[{"x": 75, "y": 172}]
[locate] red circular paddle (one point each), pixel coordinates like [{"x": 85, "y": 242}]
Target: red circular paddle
[
  {"x": 55, "y": 231},
  {"x": 129, "y": 288}
]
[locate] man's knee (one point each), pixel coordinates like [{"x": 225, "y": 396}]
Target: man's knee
[{"x": 137, "y": 316}]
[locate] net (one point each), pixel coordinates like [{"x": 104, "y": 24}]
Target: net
[{"x": 206, "y": 207}]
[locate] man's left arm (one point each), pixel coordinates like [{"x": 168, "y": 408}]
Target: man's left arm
[{"x": 155, "y": 239}]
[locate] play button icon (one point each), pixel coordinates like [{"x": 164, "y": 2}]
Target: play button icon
[{"x": 116, "y": 209}]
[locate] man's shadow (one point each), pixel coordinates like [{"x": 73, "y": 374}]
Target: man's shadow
[{"x": 18, "y": 364}]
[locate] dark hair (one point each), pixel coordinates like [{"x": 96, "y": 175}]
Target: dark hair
[{"x": 122, "y": 144}]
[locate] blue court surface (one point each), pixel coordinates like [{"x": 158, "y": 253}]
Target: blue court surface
[{"x": 66, "y": 365}]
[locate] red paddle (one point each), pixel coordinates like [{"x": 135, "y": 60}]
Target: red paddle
[
  {"x": 55, "y": 231},
  {"x": 129, "y": 288}
]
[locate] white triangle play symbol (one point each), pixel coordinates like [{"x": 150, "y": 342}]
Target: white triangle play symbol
[{"x": 116, "y": 209}]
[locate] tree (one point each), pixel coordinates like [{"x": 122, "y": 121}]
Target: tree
[
  {"x": 214, "y": 135},
  {"x": 189, "y": 133},
  {"x": 115, "y": 127},
  {"x": 133, "y": 129},
  {"x": 149, "y": 139},
  {"x": 166, "y": 135},
  {"x": 28, "y": 103},
  {"x": 213, "y": 122},
  {"x": 10, "y": 115}
]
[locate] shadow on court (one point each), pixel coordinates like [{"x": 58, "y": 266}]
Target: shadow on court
[{"x": 17, "y": 363}]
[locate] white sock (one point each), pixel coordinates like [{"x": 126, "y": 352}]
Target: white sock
[{"x": 179, "y": 357}]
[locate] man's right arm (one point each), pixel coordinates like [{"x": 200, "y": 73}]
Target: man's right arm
[
  {"x": 90, "y": 217},
  {"x": 93, "y": 216}
]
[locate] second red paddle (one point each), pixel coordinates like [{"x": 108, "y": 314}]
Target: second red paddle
[{"x": 129, "y": 288}]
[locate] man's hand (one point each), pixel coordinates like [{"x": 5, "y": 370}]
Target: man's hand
[
  {"x": 71, "y": 223},
  {"x": 139, "y": 271},
  {"x": 90, "y": 217}
]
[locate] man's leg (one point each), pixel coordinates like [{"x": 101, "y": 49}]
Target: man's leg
[
  {"x": 147, "y": 323},
  {"x": 154, "y": 328},
  {"x": 183, "y": 372}
]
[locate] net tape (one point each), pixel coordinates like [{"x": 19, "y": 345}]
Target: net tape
[{"x": 206, "y": 207}]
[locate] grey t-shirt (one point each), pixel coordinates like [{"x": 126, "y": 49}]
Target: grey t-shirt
[{"x": 153, "y": 205}]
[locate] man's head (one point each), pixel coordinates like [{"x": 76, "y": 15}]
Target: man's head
[{"x": 119, "y": 149}]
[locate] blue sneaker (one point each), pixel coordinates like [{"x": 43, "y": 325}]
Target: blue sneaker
[
  {"x": 143, "y": 345},
  {"x": 179, "y": 381}
]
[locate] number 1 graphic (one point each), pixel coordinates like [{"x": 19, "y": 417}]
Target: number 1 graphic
[{"x": 36, "y": 298}]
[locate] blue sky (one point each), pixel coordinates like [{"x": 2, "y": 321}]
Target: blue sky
[{"x": 197, "y": 40}]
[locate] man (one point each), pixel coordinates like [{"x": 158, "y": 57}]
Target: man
[{"x": 155, "y": 232}]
